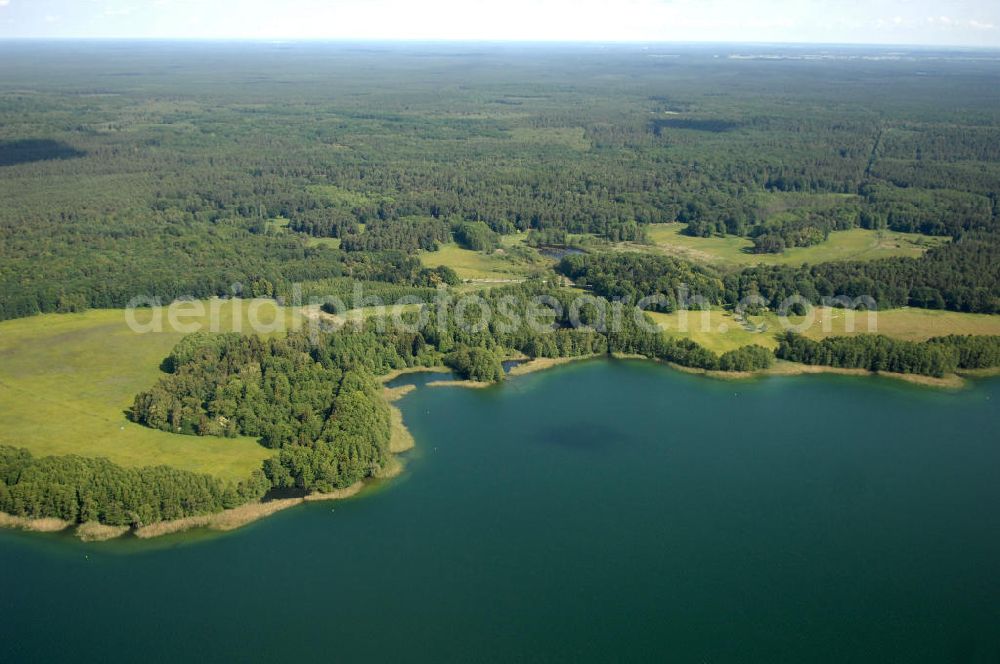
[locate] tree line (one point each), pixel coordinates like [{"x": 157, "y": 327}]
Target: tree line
[
  {"x": 963, "y": 275},
  {"x": 316, "y": 399},
  {"x": 634, "y": 276},
  {"x": 79, "y": 489},
  {"x": 876, "y": 352}
]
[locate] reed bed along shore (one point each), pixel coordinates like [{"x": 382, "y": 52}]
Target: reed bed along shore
[
  {"x": 220, "y": 521},
  {"x": 47, "y": 525},
  {"x": 543, "y": 363},
  {"x": 240, "y": 516}
]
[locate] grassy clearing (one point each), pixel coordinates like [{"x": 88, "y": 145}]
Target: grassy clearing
[
  {"x": 355, "y": 316},
  {"x": 716, "y": 330},
  {"x": 67, "y": 379},
  {"x": 332, "y": 242},
  {"x": 906, "y": 323},
  {"x": 855, "y": 244},
  {"x": 514, "y": 261},
  {"x": 720, "y": 331},
  {"x": 339, "y": 196}
]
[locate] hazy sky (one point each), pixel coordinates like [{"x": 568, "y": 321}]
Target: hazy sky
[{"x": 941, "y": 22}]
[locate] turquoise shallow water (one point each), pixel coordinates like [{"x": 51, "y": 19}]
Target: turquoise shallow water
[{"x": 602, "y": 511}]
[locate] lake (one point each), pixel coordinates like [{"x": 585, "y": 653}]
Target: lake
[{"x": 606, "y": 510}]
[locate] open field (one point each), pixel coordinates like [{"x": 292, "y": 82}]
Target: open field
[
  {"x": 906, "y": 323},
  {"x": 66, "y": 380},
  {"x": 514, "y": 261},
  {"x": 855, "y": 244},
  {"x": 332, "y": 242},
  {"x": 720, "y": 331},
  {"x": 717, "y": 330}
]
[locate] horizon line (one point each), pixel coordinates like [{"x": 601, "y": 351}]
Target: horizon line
[{"x": 486, "y": 42}]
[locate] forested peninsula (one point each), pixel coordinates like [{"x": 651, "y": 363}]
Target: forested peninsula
[
  {"x": 645, "y": 187},
  {"x": 316, "y": 399}
]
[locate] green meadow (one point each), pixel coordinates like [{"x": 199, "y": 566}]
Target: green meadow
[
  {"x": 720, "y": 330},
  {"x": 514, "y": 261},
  {"x": 66, "y": 381},
  {"x": 854, "y": 244}
]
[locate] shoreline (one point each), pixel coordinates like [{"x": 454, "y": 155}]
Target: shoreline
[
  {"x": 223, "y": 521},
  {"x": 458, "y": 382},
  {"x": 396, "y": 373},
  {"x": 402, "y": 440},
  {"x": 946, "y": 382},
  {"x": 527, "y": 366},
  {"x": 543, "y": 363},
  {"x": 43, "y": 525},
  {"x": 780, "y": 368},
  {"x": 784, "y": 368}
]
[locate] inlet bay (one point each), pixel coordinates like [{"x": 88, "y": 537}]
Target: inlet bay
[{"x": 600, "y": 511}]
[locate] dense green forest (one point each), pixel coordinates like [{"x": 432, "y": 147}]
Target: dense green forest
[
  {"x": 876, "y": 352},
  {"x": 322, "y": 172},
  {"x": 632, "y": 277},
  {"x": 963, "y": 275},
  {"x": 315, "y": 397},
  {"x": 163, "y": 170},
  {"x": 78, "y": 489}
]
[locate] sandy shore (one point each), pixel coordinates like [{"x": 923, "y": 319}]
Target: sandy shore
[
  {"x": 543, "y": 363},
  {"x": 473, "y": 384},
  {"x": 221, "y": 521},
  {"x": 782, "y": 368},
  {"x": 242, "y": 515}
]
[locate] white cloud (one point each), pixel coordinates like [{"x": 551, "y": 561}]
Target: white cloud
[
  {"x": 939, "y": 20},
  {"x": 853, "y": 21},
  {"x": 117, "y": 11}
]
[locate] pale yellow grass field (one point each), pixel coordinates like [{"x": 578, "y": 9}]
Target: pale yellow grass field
[
  {"x": 721, "y": 331},
  {"x": 854, "y": 244},
  {"x": 66, "y": 381}
]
